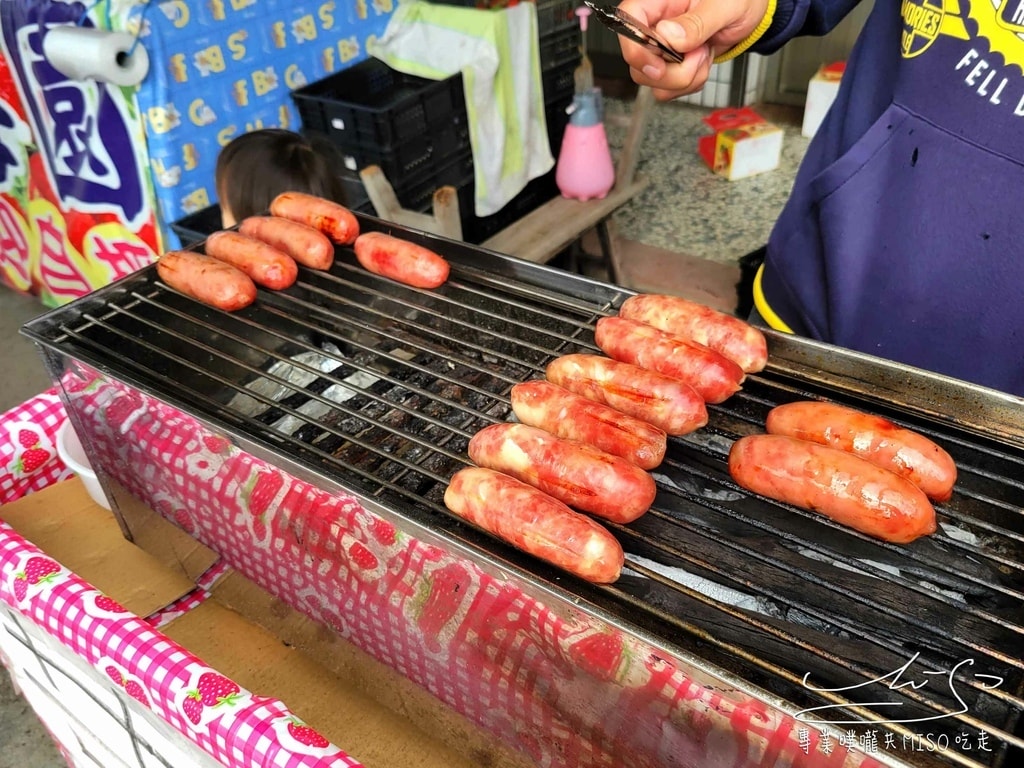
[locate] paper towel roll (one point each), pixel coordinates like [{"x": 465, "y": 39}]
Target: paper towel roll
[{"x": 87, "y": 53}]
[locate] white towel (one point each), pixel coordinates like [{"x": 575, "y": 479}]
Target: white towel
[{"x": 498, "y": 54}]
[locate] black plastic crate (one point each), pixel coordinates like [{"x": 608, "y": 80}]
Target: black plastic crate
[
  {"x": 552, "y": 15},
  {"x": 417, "y": 192},
  {"x": 557, "y": 119},
  {"x": 559, "y": 83},
  {"x": 559, "y": 48},
  {"x": 414, "y": 156},
  {"x": 372, "y": 105},
  {"x": 556, "y": 15},
  {"x": 195, "y": 227},
  {"x": 476, "y": 229}
]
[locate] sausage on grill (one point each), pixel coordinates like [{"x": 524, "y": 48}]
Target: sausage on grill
[
  {"x": 266, "y": 265},
  {"x": 333, "y": 219},
  {"x": 207, "y": 279},
  {"x": 532, "y": 521},
  {"x": 667, "y": 403},
  {"x": 309, "y": 247},
  {"x": 576, "y": 473},
  {"x": 712, "y": 374},
  {"x": 900, "y": 450},
  {"x": 401, "y": 260},
  {"x": 735, "y": 338},
  {"x": 561, "y": 412},
  {"x": 840, "y": 485}
]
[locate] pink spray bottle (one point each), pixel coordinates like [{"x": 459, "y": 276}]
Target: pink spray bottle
[{"x": 584, "y": 170}]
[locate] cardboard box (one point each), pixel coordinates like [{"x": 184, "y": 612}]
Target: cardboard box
[
  {"x": 821, "y": 92},
  {"x": 378, "y": 717},
  {"x": 742, "y": 143}
]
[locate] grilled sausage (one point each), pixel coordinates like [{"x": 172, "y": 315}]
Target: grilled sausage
[
  {"x": 309, "y": 247},
  {"x": 576, "y": 473},
  {"x": 566, "y": 414},
  {"x": 206, "y": 279},
  {"x": 843, "y": 486},
  {"x": 266, "y": 265},
  {"x": 735, "y": 338},
  {"x": 333, "y": 219},
  {"x": 531, "y": 520},
  {"x": 667, "y": 403},
  {"x": 903, "y": 451},
  {"x": 401, "y": 260},
  {"x": 712, "y": 374}
]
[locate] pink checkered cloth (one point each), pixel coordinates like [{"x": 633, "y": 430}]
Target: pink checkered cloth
[
  {"x": 28, "y": 452},
  {"x": 234, "y": 726}
]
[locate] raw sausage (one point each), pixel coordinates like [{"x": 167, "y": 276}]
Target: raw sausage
[
  {"x": 848, "y": 489},
  {"x": 309, "y": 247},
  {"x": 566, "y": 414},
  {"x": 903, "y": 451},
  {"x": 401, "y": 260},
  {"x": 266, "y": 265},
  {"x": 712, "y": 374},
  {"x": 534, "y": 522},
  {"x": 735, "y": 338},
  {"x": 206, "y": 279},
  {"x": 667, "y": 403},
  {"x": 576, "y": 473},
  {"x": 333, "y": 219}
]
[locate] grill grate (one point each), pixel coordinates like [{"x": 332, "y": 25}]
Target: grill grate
[{"x": 381, "y": 387}]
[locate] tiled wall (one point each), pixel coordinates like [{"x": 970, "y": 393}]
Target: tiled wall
[{"x": 717, "y": 92}]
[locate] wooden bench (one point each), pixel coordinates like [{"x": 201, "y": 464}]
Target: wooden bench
[{"x": 545, "y": 232}]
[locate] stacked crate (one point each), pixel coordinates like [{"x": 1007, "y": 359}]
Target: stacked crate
[{"x": 417, "y": 130}]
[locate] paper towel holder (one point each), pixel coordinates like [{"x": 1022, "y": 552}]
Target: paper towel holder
[{"x": 89, "y": 53}]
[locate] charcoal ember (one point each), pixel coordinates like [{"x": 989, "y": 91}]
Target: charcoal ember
[
  {"x": 414, "y": 482},
  {"x": 308, "y": 433},
  {"x": 440, "y": 464}
]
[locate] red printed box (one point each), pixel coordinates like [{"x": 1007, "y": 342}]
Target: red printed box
[{"x": 742, "y": 143}]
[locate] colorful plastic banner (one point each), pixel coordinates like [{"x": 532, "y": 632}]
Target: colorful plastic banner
[
  {"x": 76, "y": 208},
  {"x": 93, "y": 174}
]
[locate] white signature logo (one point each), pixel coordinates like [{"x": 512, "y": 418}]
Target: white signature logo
[{"x": 896, "y": 680}]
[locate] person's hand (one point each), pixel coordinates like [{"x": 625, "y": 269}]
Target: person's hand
[{"x": 699, "y": 29}]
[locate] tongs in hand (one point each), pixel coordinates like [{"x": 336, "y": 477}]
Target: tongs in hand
[{"x": 622, "y": 23}]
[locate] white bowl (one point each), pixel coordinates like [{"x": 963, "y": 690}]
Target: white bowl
[{"x": 69, "y": 448}]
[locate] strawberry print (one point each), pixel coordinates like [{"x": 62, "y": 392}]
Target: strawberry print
[
  {"x": 121, "y": 408},
  {"x": 303, "y": 734},
  {"x": 264, "y": 489},
  {"x": 30, "y": 460},
  {"x": 20, "y": 588},
  {"x": 446, "y": 587},
  {"x": 362, "y": 557},
  {"x": 114, "y": 674},
  {"x": 136, "y": 691},
  {"x": 383, "y": 531},
  {"x": 215, "y": 689},
  {"x": 40, "y": 570},
  {"x": 216, "y": 443},
  {"x": 28, "y": 438},
  {"x": 599, "y": 654},
  {"x": 109, "y": 604},
  {"x": 193, "y": 708}
]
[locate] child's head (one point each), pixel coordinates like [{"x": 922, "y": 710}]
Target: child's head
[{"x": 257, "y": 166}]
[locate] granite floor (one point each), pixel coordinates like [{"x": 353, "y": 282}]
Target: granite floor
[
  {"x": 688, "y": 209},
  {"x": 683, "y": 235}
]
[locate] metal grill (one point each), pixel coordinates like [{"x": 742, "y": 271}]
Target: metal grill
[{"x": 380, "y": 388}]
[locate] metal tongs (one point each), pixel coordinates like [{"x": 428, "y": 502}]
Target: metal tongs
[{"x": 622, "y": 23}]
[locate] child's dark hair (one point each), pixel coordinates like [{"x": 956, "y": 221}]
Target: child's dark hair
[{"x": 257, "y": 166}]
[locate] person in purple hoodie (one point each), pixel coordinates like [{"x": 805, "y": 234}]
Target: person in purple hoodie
[{"x": 903, "y": 236}]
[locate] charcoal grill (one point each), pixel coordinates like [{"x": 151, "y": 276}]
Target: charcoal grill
[{"x": 910, "y": 655}]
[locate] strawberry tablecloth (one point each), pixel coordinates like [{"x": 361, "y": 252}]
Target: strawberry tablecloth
[{"x": 229, "y": 724}]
